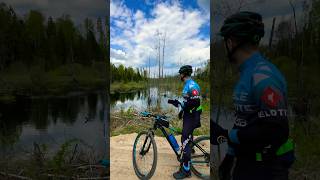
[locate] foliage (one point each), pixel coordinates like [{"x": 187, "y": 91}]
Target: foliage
[
  {"x": 34, "y": 49},
  {"x": 121, "y": 87},
  {"x": 72, "y": 160},
  {"x": 127, "y": 74},
  {"x": 51, "y": 43}
]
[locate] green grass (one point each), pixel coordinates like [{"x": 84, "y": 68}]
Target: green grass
[
  {"x": 123, "y": 87},
  {"x": 126, "y": 122},
  {"x": 307, "y": 137},
  {"x": 20, "y": 80},
  {"x": 63, "y": 162}
]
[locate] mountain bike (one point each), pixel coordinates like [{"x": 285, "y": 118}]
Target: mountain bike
[{"x": 144, "y": 152}]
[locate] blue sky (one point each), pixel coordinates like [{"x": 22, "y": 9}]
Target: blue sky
[{"x": 185, "y": 25}]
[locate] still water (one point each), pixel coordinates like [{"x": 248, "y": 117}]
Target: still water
[
  {"x": 53, "y": 121},
  {"x": 143, "y": 100}
]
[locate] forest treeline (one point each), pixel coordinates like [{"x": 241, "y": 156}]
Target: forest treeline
[
  {"x": 127, "y": 74},
  {"x": 296, "y": 53},
  {"x": 44, "y": 55},
  {"x": 35, "y": 39},
  {"x": 203, "y": 73}
]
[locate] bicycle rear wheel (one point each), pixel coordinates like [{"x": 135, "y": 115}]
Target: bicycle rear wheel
[
  {"x": 200, "y": 158},
  {"x": 144, "y": 155}
]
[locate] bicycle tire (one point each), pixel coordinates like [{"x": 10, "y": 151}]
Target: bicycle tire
[
  {"x": 154, "y": 164},
  {"x": 192, "y": 167}
]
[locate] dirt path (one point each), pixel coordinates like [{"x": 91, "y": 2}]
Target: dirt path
[{"x": 121, "y": 158}]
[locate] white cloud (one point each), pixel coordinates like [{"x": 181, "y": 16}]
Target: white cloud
[
  {"x": 117, "y": 53},
  {"x": 184, "y": 43}
]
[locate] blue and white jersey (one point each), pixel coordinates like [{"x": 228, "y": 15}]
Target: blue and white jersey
[
  {"x": 191, "y": 89},
  {"x": 260, "y": 101},
  {"x": 260, "y": 93}
]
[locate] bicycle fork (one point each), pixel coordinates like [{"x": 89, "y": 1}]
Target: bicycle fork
[{"x": 142, "y": 151}]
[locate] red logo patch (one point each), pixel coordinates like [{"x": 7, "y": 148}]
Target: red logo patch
[
  {"x": 194, "y": 92},
  {"x": 270, "y": 97}
]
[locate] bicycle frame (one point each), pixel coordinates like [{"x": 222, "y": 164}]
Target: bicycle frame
[
  {"x": 161, "y": 122},
  {"x": 164, "y": 132}
]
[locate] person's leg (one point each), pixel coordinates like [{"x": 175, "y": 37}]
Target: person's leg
[
  {"x": 186, "y": 156},
  {"x": 185, "y": 140}
]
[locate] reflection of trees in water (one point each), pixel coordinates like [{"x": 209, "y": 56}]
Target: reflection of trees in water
[
  {"x": 66, "y": 109},
  {"x": 152, "y": 98},
  {"x": 122, "y": 97},
  {"x": 11, "y": 118},
  {"x": 92, "y": 105},
  {"x": 10, "y": 133},
  {"x": 41, "y": 112}
]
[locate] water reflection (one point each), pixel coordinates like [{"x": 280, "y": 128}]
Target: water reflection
[
  {"x": 52, "y": 121},
  {"x": 150, "y": 98}
]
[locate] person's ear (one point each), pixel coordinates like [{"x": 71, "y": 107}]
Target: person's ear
[{"x": 229, "y": 43}]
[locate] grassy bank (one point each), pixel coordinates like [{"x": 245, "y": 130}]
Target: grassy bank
[
  {"x": 21, "y": 80},
  {"x": 73, "y": 160},
  {"x": 122, "y": 87},
  {"x": 126, "y": 122},
  {"x": 307, "y": 137},
  {"x": 130, "y": 122}
]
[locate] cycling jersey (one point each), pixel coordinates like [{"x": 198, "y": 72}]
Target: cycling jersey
[
  {"x": 190, "y": 89},
  {"x": 191, "y": 94},
  {"x": 260, "y": 102}
]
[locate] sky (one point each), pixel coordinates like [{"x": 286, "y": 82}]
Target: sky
[
  {"x": 77, "y": 9},
  {"x": 134, "y": 24},
  {"x": 269, "y": 9}
]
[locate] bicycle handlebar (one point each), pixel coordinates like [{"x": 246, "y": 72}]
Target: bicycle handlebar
[{"x": 175, "y": 102}]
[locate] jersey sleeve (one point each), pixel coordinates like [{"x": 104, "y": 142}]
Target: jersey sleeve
[{"x": 185, "y": 91}]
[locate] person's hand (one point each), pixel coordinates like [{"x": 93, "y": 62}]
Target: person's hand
[
  {"x": 218, "y": 134},
  {"x": 225, "y": 167},
  {"x": 174, "y": 102}
]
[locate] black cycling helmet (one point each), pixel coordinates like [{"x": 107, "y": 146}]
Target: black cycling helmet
[
  {"x": 247, "y": 26},
  {"x": 186, "y": 70}
]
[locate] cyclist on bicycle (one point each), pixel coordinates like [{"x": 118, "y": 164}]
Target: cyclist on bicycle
[
  {"x": 259, "y": 137},
  {"x": 190, "y": 113}
]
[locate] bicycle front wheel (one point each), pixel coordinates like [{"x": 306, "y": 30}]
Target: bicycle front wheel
[
  {"x": 200, "y": 157},
  {"x": 144, "y": 155}
]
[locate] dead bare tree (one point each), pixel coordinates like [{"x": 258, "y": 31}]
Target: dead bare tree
[
  {"x": 149, "y": 68},
  {"x": 300, "y": 59},
  {"x": 294, "y": 15},
  {"x": 163, "y": 49},
  {"x": 158, "y": 47},
  {"x": 271, "y": 34}
]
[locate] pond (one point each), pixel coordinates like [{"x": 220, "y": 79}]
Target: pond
[
  {"x": 142, "y": 100},
  {"x": 53, "y": 121}
]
